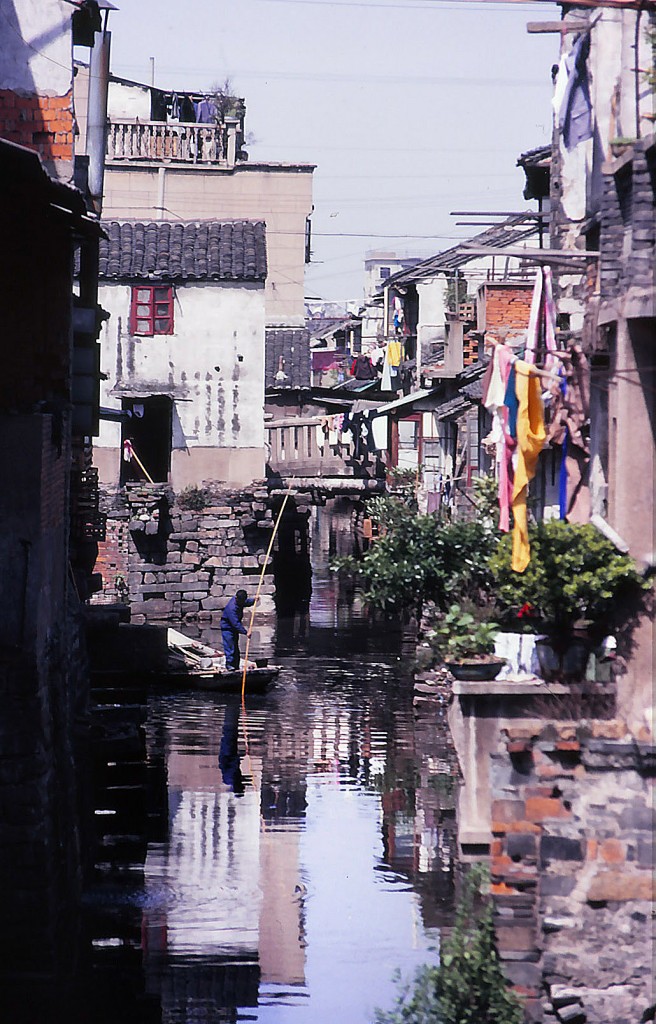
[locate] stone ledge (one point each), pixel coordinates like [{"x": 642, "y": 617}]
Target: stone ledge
[{"x": 507, "y": 688}]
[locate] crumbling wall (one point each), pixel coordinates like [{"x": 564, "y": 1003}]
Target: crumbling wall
[
  {"x": 170, "y": 562},
  {"x": 572, "y": 863}
]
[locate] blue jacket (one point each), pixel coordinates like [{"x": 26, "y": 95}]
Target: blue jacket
[{"x": 233, "y": 614}]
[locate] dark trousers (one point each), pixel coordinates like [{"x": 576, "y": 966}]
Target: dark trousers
[{"x": 230, "y": 646}]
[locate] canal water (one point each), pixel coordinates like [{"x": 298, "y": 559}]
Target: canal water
[
  {"x": 308, "y": 852},
  {"x": 298, "y": 851}
]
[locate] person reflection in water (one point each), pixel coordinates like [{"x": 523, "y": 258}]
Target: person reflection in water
[{"x": 229, "y": 760}]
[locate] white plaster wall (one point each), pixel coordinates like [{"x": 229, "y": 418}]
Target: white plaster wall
[
  {"x": 218, "y": 397},
  {"x": 432, "y": 310},
  {"x": 281, "y": 195},
  {"x": 37, "y": 46},
  {"x": 611, "y": 65},
  {"x": 129, "y": 102}
]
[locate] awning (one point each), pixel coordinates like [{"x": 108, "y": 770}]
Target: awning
[{"x": 416, "y": 396}]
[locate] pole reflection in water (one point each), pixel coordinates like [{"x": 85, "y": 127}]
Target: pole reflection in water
[{"x": 309, "y": 853}]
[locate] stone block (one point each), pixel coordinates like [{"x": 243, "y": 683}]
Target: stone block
[
  {"x": 645, "y": 852},
  {"x": 572, "y": 1014},
  {"x": 523, "y": 973},
  {"x": 618, "y": 886},
  {"x": 556, "y": 885},
  {"x": 638, "y": 816},
  {"x": 155, "y": 607},
  {"x": 507, "y": 810},
  {"x": 213, "y": 603},
  {"x": 521, "y": 845},
  {"x": 541, "y": 808},
  {"x": 563, "y": 995},
  {"x": 560, "y": 848}
]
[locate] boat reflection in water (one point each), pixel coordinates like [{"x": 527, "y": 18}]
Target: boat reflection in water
[
  {"x": 310, "y": 836},
  {"x": 276, "y": 861}
]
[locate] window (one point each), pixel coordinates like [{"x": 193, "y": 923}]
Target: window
[
  {"x": 151, "y": 311},
  {"x": 385, "y": 272}
]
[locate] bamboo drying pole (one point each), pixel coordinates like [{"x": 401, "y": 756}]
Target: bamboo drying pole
[{"x": 259, "y": 588}]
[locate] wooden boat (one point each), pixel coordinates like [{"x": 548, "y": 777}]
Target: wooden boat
[{"x": 194, "y": 664}]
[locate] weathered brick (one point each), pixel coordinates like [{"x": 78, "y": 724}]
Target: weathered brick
[
  {"x": 515, "y": 937},
  {"x": 508, "y": 810},
  {"x": 612, "y": 851},
  {"x": 617, "y": 886},
  {"x": 560, "y": 848},
  {"x": 540, "y": 808}
]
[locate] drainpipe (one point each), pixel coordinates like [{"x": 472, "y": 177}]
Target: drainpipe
[
  {"x": 161, "y": 192},
  {"x": 97, "y": 116}
]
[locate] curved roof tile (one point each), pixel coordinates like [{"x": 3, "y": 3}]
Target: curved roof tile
[{"x": 189, "y": 251}]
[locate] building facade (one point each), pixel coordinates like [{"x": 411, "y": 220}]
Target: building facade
[{"x": 183, "y": 352}]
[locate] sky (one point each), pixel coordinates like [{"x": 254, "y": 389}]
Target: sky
[{"x": 410, "y": 109}]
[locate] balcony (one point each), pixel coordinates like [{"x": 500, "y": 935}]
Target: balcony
[{"x": 173, "y": 142}]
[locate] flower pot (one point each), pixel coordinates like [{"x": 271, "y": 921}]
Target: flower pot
[
  {"x": 562, "y": 659},
  {"x": 476, "y": 671}
]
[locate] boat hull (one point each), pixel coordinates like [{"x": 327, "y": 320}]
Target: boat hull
[{"x": 257, "y": 679}]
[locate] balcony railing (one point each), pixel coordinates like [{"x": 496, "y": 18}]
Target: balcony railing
[{"x": 172, "y": 142}]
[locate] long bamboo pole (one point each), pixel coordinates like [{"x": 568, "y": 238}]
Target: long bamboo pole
[{"x": 259, "y": 587}]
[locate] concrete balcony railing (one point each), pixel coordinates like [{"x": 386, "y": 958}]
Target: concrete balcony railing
[{"x": 173, "y": 142}]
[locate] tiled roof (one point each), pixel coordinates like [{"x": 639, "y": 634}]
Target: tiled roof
[
  {"x": 539, "y": 157},
  {"x": 164, "y": 250},
  {"x": 287, "y": 350}
]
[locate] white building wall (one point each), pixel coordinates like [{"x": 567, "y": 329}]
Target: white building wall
[
  {"x": 212, "y": 367},
  {"x": 37, "y": 54}
]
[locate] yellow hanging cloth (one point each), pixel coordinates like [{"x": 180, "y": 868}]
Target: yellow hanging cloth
[
  {"x": 394, "y": 352},
  {"x": 530, "y": 441}
]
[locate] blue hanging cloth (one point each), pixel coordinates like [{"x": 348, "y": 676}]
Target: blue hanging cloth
[{"x": 562, "y": 481}]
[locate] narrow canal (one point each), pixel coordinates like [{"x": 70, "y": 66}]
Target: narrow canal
[{"x": 300, "y": 847}]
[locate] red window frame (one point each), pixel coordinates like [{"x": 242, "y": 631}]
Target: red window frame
[{"x": 151, "y": 309}]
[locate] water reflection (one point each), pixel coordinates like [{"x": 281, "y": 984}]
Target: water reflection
[
  {"x": 291, "y": 854},
  {"x": 308, "y": 855}
]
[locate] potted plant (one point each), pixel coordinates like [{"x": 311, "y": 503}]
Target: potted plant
[
  {"x": 576, "y": 585},
  {"x": 466, "y": 645}
]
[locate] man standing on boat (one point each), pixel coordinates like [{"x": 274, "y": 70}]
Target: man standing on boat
[{"x": 231, "y": 627}]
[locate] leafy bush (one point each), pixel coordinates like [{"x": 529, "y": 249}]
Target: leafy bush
[
  {"x": 458, "y": 635},
  {"x": 417, "y": 559},
  {"x": 468, "y": 986},
  {"x": 575, "y": 573}
]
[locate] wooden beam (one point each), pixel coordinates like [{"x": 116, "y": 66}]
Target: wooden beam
[
  {"x": 535, "y": 27},
  {"x": 565, "y": 256}
]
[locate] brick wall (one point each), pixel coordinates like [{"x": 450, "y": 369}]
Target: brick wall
[
  {"x": 507, "y": 306},
  {"x": 42, "y": 123},
  {"x": 113, "y": 561},
  {"x": 628, "y": 234},
  {"x": 571, "y": 865}
]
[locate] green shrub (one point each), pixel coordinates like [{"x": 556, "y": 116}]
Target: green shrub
[
  {"x": 193, "y": 498},
  {"x": 458, "y": 635},
  {"x": 575, "y": 573},
  {"x": 417, "y": 559},
  {"x": 468, "y": 985}
]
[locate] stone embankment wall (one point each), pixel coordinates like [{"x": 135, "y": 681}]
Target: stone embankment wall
[
  {"x": 170, "y": 562},
  {"x": 572, "y": 870}
]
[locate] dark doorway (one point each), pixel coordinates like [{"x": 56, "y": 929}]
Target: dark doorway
[{"x": 149, "y": 431}]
